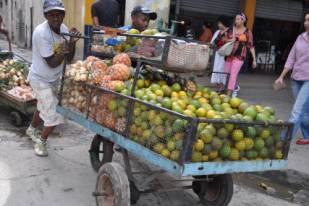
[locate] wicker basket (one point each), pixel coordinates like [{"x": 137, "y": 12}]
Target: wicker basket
[{"x": 187, "y": 57}]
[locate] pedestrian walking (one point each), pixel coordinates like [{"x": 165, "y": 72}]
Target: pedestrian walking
[
  {"x": 106, "y": 13},
  {"x": 243, "y": 40},
  {"x": 298, "y": 63},
  {"x": 207, "y": 33},
  {"x": 5, "y": 32},
  {"x": 47, "y": 61},
  {"x": 218, "y": 77}
]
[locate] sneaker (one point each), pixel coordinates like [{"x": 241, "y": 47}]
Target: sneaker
[
  {"x": 40, "y": 148},
  {"x": 33, "y": 134},
  {"x": 235, "y": 92},
  {"x": 302, "y": 141}
]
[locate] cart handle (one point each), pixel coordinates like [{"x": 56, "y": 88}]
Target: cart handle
[{"x": 63, "y": 34}]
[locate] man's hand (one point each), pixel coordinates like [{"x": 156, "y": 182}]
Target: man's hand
[
  {"x": 77, "y": 35},
  {"x": 64, "y": 48}
]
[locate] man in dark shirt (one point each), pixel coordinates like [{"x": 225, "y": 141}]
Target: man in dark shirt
[{"x": 105, "y": 13}]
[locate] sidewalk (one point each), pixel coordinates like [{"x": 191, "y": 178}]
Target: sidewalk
[{"x": 24, "y": 53}]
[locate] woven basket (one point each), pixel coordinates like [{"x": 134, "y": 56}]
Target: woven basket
[{"x": 188, "y": 57}]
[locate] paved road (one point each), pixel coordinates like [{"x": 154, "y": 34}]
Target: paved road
[{"x": 65, "y": 178}]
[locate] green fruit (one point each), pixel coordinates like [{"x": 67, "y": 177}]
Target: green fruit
[
  {"x": 251, "y": 112},
  {"x": 263, "y": 153},
  {"x": 265, "y": 133},
  {"x": 251, "y": 132},
  {"x": 176, "y": 87},
  {"x": 270, "y": 110},
  {"x": 207, "y": 136},
  {"x": 223, "y": 133},
  {"x": 155, "y": 87},
  {"x": 133, "y": 31},
  {"x": 197, "y": 157},
  {"x": 249, "y": 143},
  {"x": 238, "y": 135},
  {"x": 167, "y": 103},
  {"x": 158, "y": 148},
  {"x": 259, "y": 144},
  {"x": 195, "y": 103},
  {"x": 158, "y": 121},
  {"x": 175, "y": 155},
  {"x": 225, "y": 151},
  {"x": 215, "y": 101},
  {"x": 229, "y": 127},
  {"x": 211, "y": 128},
  {"x": 278, "y": 155},
  {"x": 216, "y": 143},
  {"x": 234, "y": 155},
  {"x": 251, "y": 154},
  {"x": 144, "y": 125},
  {"x": 159, "y": 132},
  {"x": 170, "y": 145},
  {"x": 240, "y": 145},
  {"x": 218, "y": 107},
  {"x": 137, "y": 111},
  {"x": 235, "y": 102},
  {"x": 167, "y": 91},
  {"x": 112, "y": 105},
  {"x": 122, "y": 111},
  {"x": 146, "y": 134},
  {"x": 139, "y": 94},
  {"x": 242, "y": 107},
  {"x": 168, "y": 132},
  {"x": 140, "y": 83},
  {"x": 261, "y": 117},
  {"x": 179, "y": 144},
  {"x": 178, "y": 125}
]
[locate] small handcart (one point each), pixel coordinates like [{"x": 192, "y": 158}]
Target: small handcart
[{"x": 20, "y": 110}]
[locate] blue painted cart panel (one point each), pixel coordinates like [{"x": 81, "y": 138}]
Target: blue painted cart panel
[{"x": 188, "y": 169}]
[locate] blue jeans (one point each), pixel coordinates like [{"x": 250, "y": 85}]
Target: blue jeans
[{"x": 300, "y": 112}]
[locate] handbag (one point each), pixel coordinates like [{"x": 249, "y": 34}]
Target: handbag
[{"x": 227, "y": 48}]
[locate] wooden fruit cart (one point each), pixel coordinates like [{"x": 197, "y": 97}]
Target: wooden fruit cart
[{"x": 210, "y": 181}]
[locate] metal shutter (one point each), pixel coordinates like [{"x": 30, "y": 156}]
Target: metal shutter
[
  {"x": 218, "y": 7},
  {"x": 288, "y": 10}
]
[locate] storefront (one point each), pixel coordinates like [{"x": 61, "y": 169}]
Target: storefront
[
  {"x": 200, "y": 11},
  {"x": 276, "y": 26}
]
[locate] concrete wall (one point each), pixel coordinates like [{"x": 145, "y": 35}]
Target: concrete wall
[{"x": 22, "y": 16}]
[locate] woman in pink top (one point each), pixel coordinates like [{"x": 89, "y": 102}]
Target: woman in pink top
[
  {"x": 243, "y": 41},
  {"x": 298, "y": 62}
]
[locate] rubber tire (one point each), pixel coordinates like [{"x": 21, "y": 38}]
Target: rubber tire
[
  {"x": 94, "y": 154},
  {"x": 226, "y": 189},
  {"x": 16, "y": 119},
  {"x": 119, "y": 181}
]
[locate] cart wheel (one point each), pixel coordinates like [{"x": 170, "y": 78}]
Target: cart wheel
[
  {"x": 217, "y": 191},
  {"x": 16, "y": 119},
  {"x": 112, "y": 188},
  {"x": 101, "y": 152}
]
